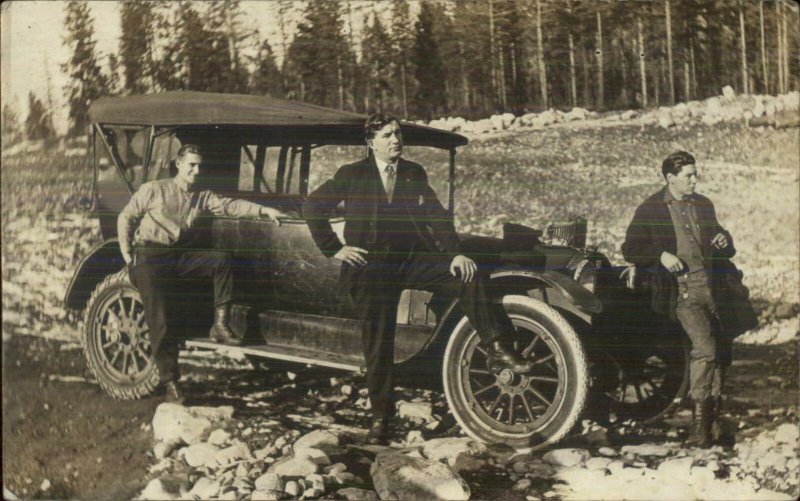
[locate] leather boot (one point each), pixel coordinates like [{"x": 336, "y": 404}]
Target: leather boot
[
  {"x": 498, "y": 357},
  {"x": 220, "y": 332},
  {"x": 702, "y": 419},
  {"x": 716, "y": 431}
]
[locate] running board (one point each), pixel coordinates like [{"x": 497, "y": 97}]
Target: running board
[{"x": 287, "y": 353}]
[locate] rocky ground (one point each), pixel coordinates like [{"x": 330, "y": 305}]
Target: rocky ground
[{"x": 248, "y": 434}]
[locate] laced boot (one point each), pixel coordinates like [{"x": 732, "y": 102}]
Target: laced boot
[
  {"x": 220, "y": 332},
  {"x": 717, "y": 432},
  {"x": 700, "y": 430}
]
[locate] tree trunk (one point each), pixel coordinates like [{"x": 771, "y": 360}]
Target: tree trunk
[
  {"x": 786, "y": 71},
  {"x": 764, "y": 66},
  {"x": 403, "y": 88},
  {"x": 502, "y": 79},
  {"x": 513, "y": 54},
  {"x": 573, "y": 84},
  {"x": 339, "y": 80},
  {"x": 669, "y": 54},
  {"x": 464, "y": 80},
  {"x": 743, "y": 48},
  {"x": 585, "y": 70},
  {"x": 778, "y": 15},
  {"x": 624, "y": 69},
  {"x": 600, "y": 92},
  {"x": 694, "y": 69},
  {"x": 642, "y": 63},
  {"x": 492, "y": 51},
  {"x": 657, "y": 82},
  {"x": 540, "y": 55}
]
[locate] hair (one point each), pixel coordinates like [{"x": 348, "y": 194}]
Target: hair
[
  {"x": 376, "y": 122},
  {"x": 189, "y": 148},
  {"x": 675, "y": 162}
]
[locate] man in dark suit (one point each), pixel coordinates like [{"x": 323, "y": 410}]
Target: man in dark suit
[
  {"x": 677, "y": 243},
  {"x": 398, "y": 236}
]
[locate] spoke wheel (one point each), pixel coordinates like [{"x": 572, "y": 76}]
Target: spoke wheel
[
  {"x": 526, "y": 411},
  {"x": 116, "y": 339},
  {"x": 651, "y": 382}
]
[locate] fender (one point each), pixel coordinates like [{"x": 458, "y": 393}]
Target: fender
[
  {"x": 569, "y": 295},
  {"x": 580, "y": 298},
  {"x": 103, "y": 260}
]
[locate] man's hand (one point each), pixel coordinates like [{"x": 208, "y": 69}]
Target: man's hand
[
  {"x": 671, "y": 262},
  {"x": 354, "y": 256},
  {"x": 127, "y": 257},
  {"x": 272, "y": 214},
  {"x": 720, "y": 241},
  {"x": 464, "y": 266}
]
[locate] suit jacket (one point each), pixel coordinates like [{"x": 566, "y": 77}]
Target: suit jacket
[
  {"x": 359, "y": 186},
  {"x": 651, "y": 232}
]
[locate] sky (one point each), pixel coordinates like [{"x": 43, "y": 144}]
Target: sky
[{"x": 33, "y": 49}]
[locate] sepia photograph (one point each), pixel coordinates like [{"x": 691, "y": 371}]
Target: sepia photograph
[{"x": 522, "y": 250}]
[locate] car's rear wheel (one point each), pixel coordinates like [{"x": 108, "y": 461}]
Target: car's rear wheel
[
  {"x": 652, "y": 380},
  {"x": 525, "y": 411},
  {"x": 116, "y": 339}
]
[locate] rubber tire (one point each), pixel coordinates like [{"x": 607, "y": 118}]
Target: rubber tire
[
  {"x": 574, "y": 395},
  {"x": 679, "y": 398},
  {"x": 144, "y": 385}
]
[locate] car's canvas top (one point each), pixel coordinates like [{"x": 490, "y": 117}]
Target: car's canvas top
[{"x": 184, "y": 108}]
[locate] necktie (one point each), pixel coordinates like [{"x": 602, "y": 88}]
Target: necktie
[{"x": 389, "y": 181}]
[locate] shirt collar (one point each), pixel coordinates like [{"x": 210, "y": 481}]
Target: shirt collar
[
  {"x": 382, "y": 166},
  {"x": 182, "y": 185},
  {"x": 669, "y": 197}
]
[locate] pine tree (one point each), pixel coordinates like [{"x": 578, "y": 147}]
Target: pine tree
[
  {"x": 430, "y": 98},
  {"x": 39, "y": 124},
  {"x": 267, "y": 77},
  {"x": 376, "y": 62},
  {"x": 402, "y": 42},
  {"x": 10, "y": 125},
  {"x": 86, "y": 80},
  {"x": 319, "y": 65},
  {"x": 136, "y": 46}
]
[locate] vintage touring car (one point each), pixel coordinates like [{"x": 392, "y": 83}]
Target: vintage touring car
[{"x": 593, "y": 342}]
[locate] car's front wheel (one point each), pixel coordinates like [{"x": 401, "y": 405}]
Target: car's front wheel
[
  {"x": 116, "y": 339},
  {"x": 525, "y": 411}
]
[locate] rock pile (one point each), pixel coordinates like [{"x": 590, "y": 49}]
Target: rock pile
[{"x": 756, "y": 109}]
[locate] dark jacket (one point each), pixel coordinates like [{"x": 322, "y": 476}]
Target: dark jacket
[
  {"x": 359, "y": 186},
  {"x": 651, "y": 232}
]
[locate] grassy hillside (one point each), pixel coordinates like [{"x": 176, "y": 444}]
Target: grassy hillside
[{"x": 527, "y": 176}]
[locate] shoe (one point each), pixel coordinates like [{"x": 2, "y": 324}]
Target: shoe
[
  {"x": 498, "y": 357},
  {"x": 702, "y": 421},
  {"x": 220, "y": 332},
  {"x": 378, "y": 433},
  {"x": 173, "y": 393}
]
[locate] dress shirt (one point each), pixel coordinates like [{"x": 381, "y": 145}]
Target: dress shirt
[
  {"x": 687, "y": 231},
  {"x": 162, "y": 212},
  {"x": 384, "y": 175}
]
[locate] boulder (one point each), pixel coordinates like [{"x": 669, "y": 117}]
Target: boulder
[
  {"x": 233, "y": 453},
  {"x": 292, "y": 488},
  {"x": 787, "y": 433},
  {"x": 294, "y": 466},
  {"x": 155, "y": 490},
  {"x": 174, "y": 424},
  {"x": 566, "y": 457},
  {"x": 576, "y": 114},
  {"x": 269, "y": 482},
  {"x": 356, "y": 494},
  {"x": 454, "y": 451},
  {"x": 728, "y": 92},
  {"x": 399, "y": 476},
  {"x": 598, "y": 463},
  {"x": 219, "y": 437},
  {"x": 646, "y": 450},
  {"x": 205, "y": 488},
  {"x": 162, "y": 449},
  {"x": 202, "y": 454},
  {"x": 416, "y": 412},
  {"x": 677, "y": 467},
  {"x": 315, "y": 439},
  {"x": 629, "y": 115},
  {"x": 497, "y": 122},
  {"x": 266, "y": 495}
]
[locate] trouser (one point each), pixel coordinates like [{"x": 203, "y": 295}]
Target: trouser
[
  {"x": 376, "y": 288},
  {"x": 170, "y": 281},
  {"x": 711, "y": 352}
]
